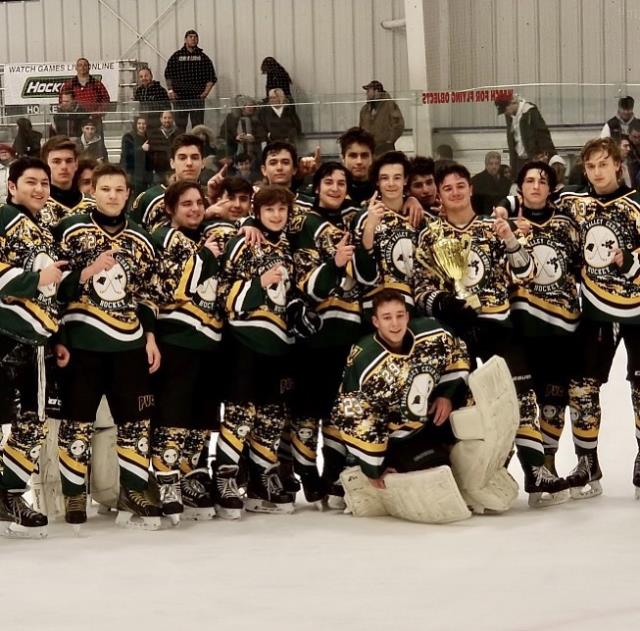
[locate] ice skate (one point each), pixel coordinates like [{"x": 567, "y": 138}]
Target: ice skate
[
  {"x": 335, "y": 497},
  {"x": 265, "y": 493},
  {"x": 228, "y": 502},
  {"x": 550, "y": 499},
  {"x": 170, "y": 495},
  {"x": 137, "y": 510},
  {"x": 584, "y": 479},
  {"x": 543, "y": 486},
  {"x": 196, "y": 499},
  {"x": 75, "y": 510},
  {"x": 314, "y": 488},
  {"x": 25, "y": 523},
  {"x": 636, "y": 475}
]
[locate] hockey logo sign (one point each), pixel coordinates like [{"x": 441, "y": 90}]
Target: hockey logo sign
[{"x": 35, "y": 83}]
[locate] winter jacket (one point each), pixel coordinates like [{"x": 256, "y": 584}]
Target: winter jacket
[
  {"x": 92, "y": 96},
  {"x": 384, "y": 120},
  {"x": 153, "y": 101},
  {"x": 136, "y": 161},
  {"x": 286, "y": 127}
]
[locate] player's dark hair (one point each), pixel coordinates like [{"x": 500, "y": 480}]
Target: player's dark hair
[
  {"x": 277, "y": 147},
  {"x": 359, "y": 135},
  {"x": 391, "y": 157},
  {"x": 421, "y": 166},
  {"x": 271, "y": 194},
  {"x": 58, "y": 143},
  {"x": 235, "y": 186},
  {"x": 455, "y": 169},
  {"x": 387, "y": 295},
  {"x": 102, "y": 170},
  {"x": 542, "y": 167},
  {"x": 17, "y": 169},
  {"x": 327, "y": 168},
  {"x": 187, "y": 140},
  {"x": 83, "y": 165},
  {"x": 626, "y": 103},
  {"x": 175, "y": 191}
]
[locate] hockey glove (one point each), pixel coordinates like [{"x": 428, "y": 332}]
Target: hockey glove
[
  {"x": 303, "y": 322},
  {"x": 454, "y": 311}
]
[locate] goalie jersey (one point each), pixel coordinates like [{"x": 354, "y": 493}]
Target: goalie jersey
[
  {"x": 386, "y": 395},
  {"x": 488, "y": 273},
  {"x": 607, "y": 222},
  {"x": 334, "y": 292},
  {"x": 28, "y": 313},
  {"x": 111, "y": 311},
  {"x": 187, "y": 284},
  {"x": 257, "y": 315},
  {"x": 547, "y": 304}
]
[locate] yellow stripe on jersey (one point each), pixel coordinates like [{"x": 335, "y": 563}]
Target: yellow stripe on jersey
[
  {"x": 632, "y": 301},
  {"x": 185, "y": 279},
  {"x": 82, "y": 307},
  {"x": 525, "y": 294},
  {"x": 37, "y": 312},
  {"x": 363, "y": 444}
]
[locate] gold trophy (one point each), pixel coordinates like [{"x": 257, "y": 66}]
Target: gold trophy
[{"x": 452, "y": 256}]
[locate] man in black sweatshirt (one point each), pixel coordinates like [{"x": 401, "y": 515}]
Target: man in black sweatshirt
[{"x": 190, "y": 76}]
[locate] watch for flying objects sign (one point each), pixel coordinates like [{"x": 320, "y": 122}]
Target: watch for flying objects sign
[{"x": 35, "y": 83}]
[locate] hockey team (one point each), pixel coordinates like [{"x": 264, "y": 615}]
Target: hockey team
[{"x": 322, "y": 303}]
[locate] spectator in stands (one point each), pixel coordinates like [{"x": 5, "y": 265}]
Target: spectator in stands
[
  {"x": 277, "y": 77},
  {"x": 489, "y": 187},
  {"x": 241, "y": 129},
  {"x": 559, "y": 165},
  {"x": 280, "y": 120},
  {"x": 27, "y": 140},
  {"x": 190, "y": 77},
  {"x": 527, "y": 132},
  {"x": 7, "y": 156},
  {"x": 356, "y": 147},
  {"x": 422, "y": 182},
  {"x": 443, "y": 156},
  {"x": 505, "y": 171},
  {"x": 83, "y": 175},
  {"x": 625, "y": 149},
  {"x": 618, "y": 125},
  {"x": 208, "y": 138},
  {"x": 633, "y": 159},
  {"x": 88, "y": 91},
  {"x": 135, "y": 158},
  {"x": 67, "y": 121},
  {"x": 152, "y": 96},
  {"x": 161, "y": 140},
  {"x": 381, "y": 117},
  {"x": 91, "y": 144}
]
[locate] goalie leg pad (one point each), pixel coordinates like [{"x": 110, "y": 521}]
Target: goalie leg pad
[
  {"x": 429, "y": 497},
  {"x": 45, "y": 481},
  {"x": 361, "y": 498},
  {"x": 486, "y": 433},
  {"x": 105, "y": 473}
]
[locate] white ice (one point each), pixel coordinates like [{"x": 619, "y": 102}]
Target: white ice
[{"x": 574, "y": 566}]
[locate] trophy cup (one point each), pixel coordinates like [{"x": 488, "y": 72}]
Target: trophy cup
[{"x": 452, "y": 256}]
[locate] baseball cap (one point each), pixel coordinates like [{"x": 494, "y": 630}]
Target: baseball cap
[
  {"x": 376, "y": 85},
  {"x": 557, "y": 160}
]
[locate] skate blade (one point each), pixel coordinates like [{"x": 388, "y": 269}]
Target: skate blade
[
  {"x": 128, "y": 520},
  {"x": 192, "y": 513},
  {"x": 592, "y": 489},
  {"x": 263, "y": 506},
  {"x": 335, "y": 502},
  {"x": 318, "y": 505},
  {"x": 540, "y": 500},
  {"x": 16, "y": 531},
  {"x": 228, "y": 513},
  {"x": 638, "y": 493},
  {"x": 103, "y": 509}
]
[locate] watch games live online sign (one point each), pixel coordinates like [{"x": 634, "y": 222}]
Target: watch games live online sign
[
  {"x": 479, "y": 95},
  {"x": 39, "y": 83}
]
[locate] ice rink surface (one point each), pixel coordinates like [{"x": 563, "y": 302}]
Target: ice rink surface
[{"x": 574, "y": 566}]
